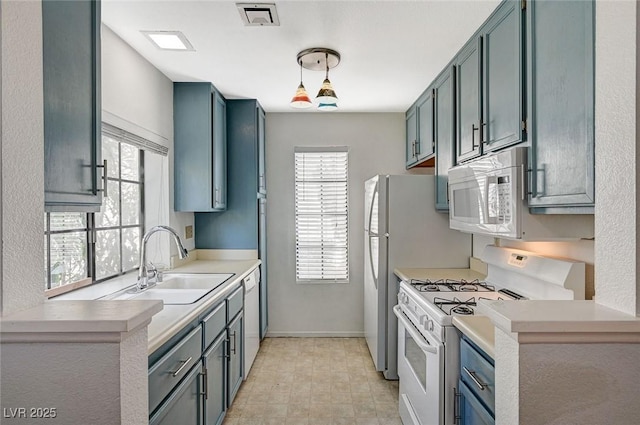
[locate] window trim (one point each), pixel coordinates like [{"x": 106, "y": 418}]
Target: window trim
[{"x": 323, "y": 149}]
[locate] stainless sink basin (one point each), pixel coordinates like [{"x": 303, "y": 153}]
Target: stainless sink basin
[{"x": 176, "y": 289}]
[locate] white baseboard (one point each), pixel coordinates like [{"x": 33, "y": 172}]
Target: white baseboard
[{"x": 315, "y": 334}]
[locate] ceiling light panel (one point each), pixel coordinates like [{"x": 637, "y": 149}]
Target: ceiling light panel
[{"x": 169, "y": 40}]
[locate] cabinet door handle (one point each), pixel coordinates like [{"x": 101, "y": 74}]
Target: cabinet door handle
[
  {"x": 483, "y": 126},
  {"x": 473, "y": 135},
  {"x": 104, "y": 178},
  {"x": 475, "y": 379},
  {"x": 417, "y": 147},
  {"x": 205, "y": 384},
  {"x": 233, "y": 349},
  {"x": 184, "y": 364}
]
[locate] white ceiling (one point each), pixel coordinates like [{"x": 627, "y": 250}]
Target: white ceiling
[{"x": 391, "y": 50}]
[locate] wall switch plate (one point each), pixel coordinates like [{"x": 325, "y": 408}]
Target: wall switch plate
[{"x": 188, "y": 232}]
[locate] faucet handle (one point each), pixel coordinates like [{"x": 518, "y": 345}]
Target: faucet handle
[{"x": 152, "y": 273}]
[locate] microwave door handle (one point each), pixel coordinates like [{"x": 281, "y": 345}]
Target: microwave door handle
[
  {"x": 523, "y": 182},
  {"x": 487, "y": 184}
]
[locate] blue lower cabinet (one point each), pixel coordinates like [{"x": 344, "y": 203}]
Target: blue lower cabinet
[
  {"x": 235, "y": 333},
  {"x": 215, "y": 393},
  {"x": 184, "y": 405},
  {"x": 472, "y": 411}
]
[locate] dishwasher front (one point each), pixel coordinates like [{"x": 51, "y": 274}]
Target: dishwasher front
[{"x": 252, "y": 319}]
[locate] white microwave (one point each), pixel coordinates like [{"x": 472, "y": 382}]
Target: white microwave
[{"x": 489, "y": 196}]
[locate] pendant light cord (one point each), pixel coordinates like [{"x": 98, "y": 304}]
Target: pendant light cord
[
  {"x": 326, "y": 62},
  {"x": 300, "y": 71}
]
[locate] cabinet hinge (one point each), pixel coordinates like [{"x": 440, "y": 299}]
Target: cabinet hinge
[
  {"x": 524, "y": 125},
  {"x": 523, "y": 4}
]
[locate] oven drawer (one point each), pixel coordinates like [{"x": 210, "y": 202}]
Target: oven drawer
[{"x": 478, "y": 373}]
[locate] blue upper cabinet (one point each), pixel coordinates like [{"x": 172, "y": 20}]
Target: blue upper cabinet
[
  {"x": 489, "y": 73},
  {"x": 503, "y": 63},
  {"x": 262, "y": 170},
  {"x": 426, "y": 145},
  {"x": 200, "y": 148},
  {"x": 237, "y": 228},
  {"x": 412, "y": 136},
  {"x": 468, "y": 65},
  {"x": 72, "y": 105},
  {"x": 420, "y": 142},
  {"x": 560, "y": 85},
  {"x": 444, "y": 113}
]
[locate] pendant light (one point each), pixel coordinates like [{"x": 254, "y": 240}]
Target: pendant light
[
  {"x": 317, "y": 59},
  {"x": 301, "y": 98},
  {"x": 326, "y": 95}
]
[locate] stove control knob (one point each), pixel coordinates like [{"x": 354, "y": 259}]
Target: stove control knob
[{"x": 429, "y": 326}]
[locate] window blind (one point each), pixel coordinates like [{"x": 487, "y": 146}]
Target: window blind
[{"x": 321, "y": 178}]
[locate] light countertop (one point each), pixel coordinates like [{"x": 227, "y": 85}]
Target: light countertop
[
  {"x": 435, "y": 274},
  {"x": 479, "y": 329},
  {"x": 174, "y": 317},
  {"x": 561, "y": 321},
  {"x": 81, "y": 316},
  {"x": 476, "y": 271},
  {"x": 171, "y": 318}
]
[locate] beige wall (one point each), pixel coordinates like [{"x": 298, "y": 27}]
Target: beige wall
[
  {"x": 376, "y": 146},
  {"x": 138, "y": 98}
]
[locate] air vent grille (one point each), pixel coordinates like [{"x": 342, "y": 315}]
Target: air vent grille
[{"x": 258, "y": 14}]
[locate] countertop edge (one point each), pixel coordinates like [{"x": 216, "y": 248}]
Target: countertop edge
[
  {"x": 478, "y": 329},
  {"x": 546, "y": 321},
  {"x": 81, "y": 316}
]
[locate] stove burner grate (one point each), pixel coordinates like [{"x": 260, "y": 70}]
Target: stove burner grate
[{"x": 462, "y": 309}]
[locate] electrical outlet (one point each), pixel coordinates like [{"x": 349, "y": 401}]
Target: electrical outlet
[{"x": 188, "y": 232}]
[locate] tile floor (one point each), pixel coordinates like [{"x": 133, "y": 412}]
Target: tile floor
[{"x": 315, "y": 381}]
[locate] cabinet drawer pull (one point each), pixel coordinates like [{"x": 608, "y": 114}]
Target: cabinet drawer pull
[
  {"x": 475, "y": 379},
  {"x": 184, "y": 364}
]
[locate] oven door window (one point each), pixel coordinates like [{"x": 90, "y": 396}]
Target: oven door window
[{"x": 416, "y": 359}]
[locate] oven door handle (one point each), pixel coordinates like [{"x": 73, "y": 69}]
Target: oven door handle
[{"x": 413, "y": 332}]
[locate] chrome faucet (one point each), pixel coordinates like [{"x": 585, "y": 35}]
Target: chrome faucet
[{"x": 143, "y": 271}]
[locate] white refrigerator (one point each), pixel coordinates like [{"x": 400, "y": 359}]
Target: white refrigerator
[{"x": 402, "y": 230}]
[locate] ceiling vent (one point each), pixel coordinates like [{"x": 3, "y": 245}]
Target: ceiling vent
[{"x": 258, "y": 14}]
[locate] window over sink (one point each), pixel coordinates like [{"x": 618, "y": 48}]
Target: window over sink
[{"x": 84, "y": 248}]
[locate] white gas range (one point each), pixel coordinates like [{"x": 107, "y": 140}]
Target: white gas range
[{"x": 428, "y": 344}]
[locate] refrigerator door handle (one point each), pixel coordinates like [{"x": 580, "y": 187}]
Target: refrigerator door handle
[
  {"x": 373, "y": 273},
  {"x": 373, "y": 202}
]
